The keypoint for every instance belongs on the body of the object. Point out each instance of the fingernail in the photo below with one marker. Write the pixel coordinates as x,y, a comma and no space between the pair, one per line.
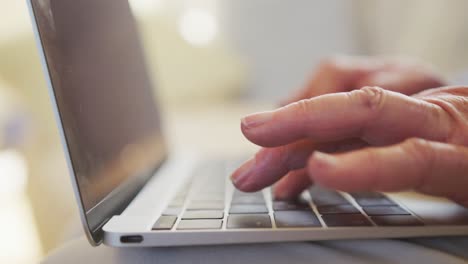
240,176
323,160
257,119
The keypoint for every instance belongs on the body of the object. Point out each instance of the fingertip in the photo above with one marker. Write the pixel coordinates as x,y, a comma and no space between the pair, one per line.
322,161
254,132
246,131
257,119
246,177
260,136
240,176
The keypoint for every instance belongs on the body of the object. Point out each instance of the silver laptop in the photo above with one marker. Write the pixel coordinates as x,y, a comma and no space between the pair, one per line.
131,192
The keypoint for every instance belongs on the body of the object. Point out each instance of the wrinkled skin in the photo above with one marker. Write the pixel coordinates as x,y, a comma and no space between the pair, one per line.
363,124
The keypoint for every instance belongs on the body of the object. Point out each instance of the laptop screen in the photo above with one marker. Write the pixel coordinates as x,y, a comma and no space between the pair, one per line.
104,99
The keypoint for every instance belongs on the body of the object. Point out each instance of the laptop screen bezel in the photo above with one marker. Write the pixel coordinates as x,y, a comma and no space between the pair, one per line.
118,199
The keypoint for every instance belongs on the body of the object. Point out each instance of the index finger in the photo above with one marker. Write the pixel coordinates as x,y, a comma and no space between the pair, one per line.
373,114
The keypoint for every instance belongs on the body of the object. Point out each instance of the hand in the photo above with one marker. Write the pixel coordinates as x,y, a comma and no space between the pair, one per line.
433,161
346,73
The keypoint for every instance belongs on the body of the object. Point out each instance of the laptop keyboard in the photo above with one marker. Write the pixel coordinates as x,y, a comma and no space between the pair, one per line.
210,202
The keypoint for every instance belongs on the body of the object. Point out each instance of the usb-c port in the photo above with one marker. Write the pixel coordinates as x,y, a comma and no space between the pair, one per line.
131,239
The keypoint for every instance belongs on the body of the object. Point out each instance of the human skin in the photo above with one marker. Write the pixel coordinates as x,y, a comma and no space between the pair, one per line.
363,124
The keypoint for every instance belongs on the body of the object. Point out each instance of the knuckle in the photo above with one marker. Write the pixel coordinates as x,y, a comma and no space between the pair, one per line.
302,107
451,108
372,98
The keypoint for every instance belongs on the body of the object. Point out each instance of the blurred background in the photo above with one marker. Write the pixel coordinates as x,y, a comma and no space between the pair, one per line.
202,52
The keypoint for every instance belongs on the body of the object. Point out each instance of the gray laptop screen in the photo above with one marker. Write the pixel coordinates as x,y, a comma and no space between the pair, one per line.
103,94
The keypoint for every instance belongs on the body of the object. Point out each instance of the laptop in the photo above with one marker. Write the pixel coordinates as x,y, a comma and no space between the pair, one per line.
131,192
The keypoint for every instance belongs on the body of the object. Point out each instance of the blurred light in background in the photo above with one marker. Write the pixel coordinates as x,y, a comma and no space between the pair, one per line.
20,239
198,26
20,243
13,172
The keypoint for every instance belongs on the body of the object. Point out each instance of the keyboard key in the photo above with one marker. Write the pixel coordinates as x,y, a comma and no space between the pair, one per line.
203,214
346,220
296,219
247,199
371,199
248,209
290,205
172,211
396,220
164,222
249,221
321,196
207,205
338,209
200,224
385,210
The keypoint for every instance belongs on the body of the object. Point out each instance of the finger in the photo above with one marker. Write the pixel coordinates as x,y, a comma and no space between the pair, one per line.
342,73
336,74
430,167
375,115
345,80
406,82
270,164
291,185
346,73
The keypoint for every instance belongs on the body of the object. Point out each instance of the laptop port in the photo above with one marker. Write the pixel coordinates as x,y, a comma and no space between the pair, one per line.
131,239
